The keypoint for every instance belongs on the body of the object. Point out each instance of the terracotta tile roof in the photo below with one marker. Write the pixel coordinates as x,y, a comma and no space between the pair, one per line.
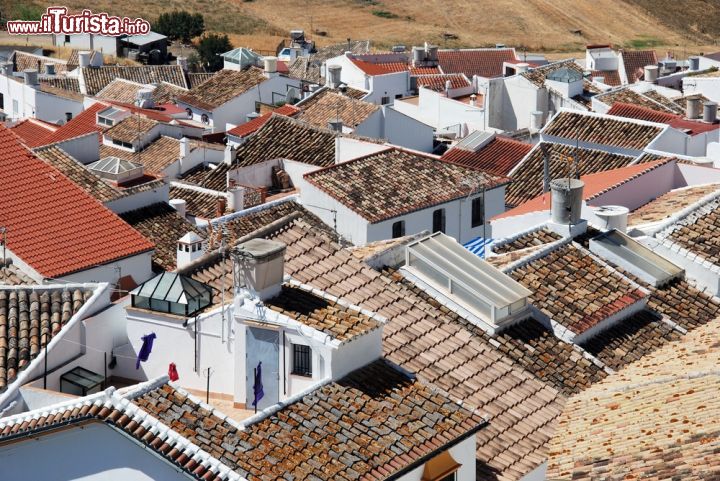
32,132
29,61
252,126
538,75
628,96
691,127
161,224
323,315
438,82
325,105
371,68
250,222
130,129
484,62
196,79
96,78
631,339
120,90
611,77
498,157
670,203
655,419
393,182
670,104
280,138
166,93
534,238
635,62
61,237
199,204
322,436
425,340
595,185
574,289
699,232
83,123
112,410
78,173
27,318
423,70
68,88
602,130
222,87
527,179
12,275
156,157
308,68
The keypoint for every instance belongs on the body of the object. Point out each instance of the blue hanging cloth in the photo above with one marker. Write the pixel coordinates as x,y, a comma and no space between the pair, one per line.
257,386
146,349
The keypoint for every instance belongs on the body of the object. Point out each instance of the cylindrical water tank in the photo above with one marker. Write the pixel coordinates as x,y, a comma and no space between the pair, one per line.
432,53
694,63
566,204
84,59
710,112
651,73
418,55
180,206
270,64
612,217
692,107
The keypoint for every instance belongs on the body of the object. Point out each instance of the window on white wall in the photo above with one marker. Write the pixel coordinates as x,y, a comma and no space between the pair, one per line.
477,216
302,360
16,107
398,229
439,221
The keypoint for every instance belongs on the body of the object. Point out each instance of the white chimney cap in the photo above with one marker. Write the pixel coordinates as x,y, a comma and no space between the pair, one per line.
190,238
261,248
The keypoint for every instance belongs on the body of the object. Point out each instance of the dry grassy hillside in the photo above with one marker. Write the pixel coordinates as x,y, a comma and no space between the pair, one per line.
550,25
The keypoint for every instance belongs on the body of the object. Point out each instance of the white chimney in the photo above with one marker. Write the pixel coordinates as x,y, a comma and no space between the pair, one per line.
31,77
612,217
448,87
261,267
84,59
236,198
184,147
536,120
335,125
270,64
144,98
473,100
522,67
333,78
183,62
229,157
189,248
180,206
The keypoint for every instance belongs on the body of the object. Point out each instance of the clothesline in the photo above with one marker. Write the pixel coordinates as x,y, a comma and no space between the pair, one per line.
133,358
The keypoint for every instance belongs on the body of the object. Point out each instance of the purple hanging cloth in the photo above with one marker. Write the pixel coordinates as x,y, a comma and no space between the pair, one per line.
145,350
257,385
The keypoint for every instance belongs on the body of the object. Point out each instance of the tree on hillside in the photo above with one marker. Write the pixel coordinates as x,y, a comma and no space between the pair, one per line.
27,12
180,25
209,49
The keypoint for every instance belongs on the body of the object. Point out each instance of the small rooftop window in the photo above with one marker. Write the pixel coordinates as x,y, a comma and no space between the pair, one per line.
116,169
111,116
172,293
635,257
565,75
481,288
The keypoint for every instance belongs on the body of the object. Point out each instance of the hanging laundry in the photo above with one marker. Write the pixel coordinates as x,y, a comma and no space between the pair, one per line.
146,349
257,385
172,372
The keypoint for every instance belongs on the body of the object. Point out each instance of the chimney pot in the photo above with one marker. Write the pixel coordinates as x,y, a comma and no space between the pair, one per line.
262,266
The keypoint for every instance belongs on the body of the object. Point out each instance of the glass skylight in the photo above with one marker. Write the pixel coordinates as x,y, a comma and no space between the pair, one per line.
480,287
635,257
172,293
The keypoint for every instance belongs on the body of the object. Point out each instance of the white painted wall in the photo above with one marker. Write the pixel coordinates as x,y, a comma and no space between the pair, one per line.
136,198
405,131
348,148
708,86
640,190
85,148
359,231
32,102
92,452
138,266
85,41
